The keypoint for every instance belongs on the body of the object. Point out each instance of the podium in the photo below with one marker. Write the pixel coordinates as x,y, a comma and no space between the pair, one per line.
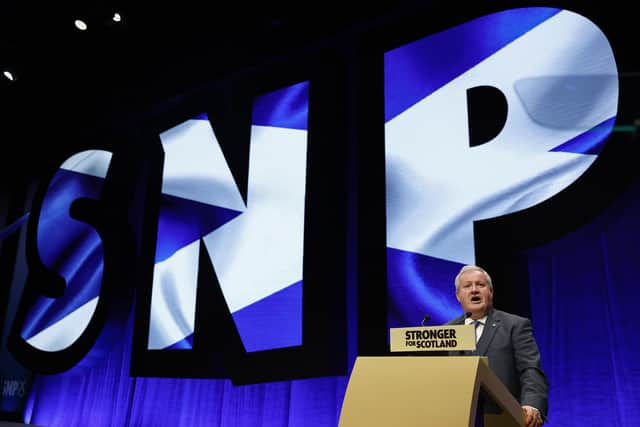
437,391
433,391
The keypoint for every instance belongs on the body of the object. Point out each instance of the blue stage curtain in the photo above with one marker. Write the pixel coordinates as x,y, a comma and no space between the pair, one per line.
98,396
106,396
585,294
102,399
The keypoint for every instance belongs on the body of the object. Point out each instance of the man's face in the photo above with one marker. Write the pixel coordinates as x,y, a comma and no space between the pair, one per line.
474,294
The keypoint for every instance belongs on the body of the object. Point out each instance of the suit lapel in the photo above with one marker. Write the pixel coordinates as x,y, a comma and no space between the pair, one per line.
489,331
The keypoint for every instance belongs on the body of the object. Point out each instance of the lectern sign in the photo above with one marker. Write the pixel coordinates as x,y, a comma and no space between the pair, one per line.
433,338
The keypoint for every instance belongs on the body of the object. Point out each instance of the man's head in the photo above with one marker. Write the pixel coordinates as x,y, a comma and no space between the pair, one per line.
474,290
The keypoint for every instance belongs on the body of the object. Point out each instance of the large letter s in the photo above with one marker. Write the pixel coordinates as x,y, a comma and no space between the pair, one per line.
72,239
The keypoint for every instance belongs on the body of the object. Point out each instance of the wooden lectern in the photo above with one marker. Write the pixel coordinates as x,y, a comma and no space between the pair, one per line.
433,391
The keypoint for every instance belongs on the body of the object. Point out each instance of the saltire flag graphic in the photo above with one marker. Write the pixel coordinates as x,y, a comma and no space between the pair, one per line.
256,248
558,75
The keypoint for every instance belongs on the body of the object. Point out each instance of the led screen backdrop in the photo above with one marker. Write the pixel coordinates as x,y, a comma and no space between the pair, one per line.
445,169
238,284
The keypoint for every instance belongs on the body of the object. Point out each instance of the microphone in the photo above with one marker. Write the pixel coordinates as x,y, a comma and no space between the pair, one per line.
425,319
467,315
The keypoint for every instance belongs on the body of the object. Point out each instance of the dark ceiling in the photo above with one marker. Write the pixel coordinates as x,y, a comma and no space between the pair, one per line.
156,50
161,49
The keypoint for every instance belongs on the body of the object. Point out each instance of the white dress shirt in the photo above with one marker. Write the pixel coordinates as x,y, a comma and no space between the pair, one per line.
479,328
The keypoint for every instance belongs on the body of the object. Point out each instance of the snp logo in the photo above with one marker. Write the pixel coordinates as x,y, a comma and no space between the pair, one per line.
13,388
550,78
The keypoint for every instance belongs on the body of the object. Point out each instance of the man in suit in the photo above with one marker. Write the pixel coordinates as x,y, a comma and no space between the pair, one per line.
507,340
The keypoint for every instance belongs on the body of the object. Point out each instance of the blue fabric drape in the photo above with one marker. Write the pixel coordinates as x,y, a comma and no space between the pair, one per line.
107,396
584,297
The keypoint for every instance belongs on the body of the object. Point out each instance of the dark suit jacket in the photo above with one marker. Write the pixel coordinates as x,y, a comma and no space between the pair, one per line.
507,340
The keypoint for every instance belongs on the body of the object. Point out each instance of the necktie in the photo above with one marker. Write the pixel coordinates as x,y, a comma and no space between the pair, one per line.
476,324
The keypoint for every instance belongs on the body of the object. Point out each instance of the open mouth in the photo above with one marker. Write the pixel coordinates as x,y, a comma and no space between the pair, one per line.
476,299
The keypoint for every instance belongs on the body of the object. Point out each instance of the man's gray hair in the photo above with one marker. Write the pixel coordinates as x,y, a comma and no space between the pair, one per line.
473,268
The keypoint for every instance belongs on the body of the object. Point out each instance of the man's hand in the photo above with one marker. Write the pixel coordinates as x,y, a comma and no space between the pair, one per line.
532,417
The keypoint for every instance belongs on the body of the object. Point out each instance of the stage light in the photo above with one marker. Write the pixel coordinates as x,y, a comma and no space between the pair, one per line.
80,24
